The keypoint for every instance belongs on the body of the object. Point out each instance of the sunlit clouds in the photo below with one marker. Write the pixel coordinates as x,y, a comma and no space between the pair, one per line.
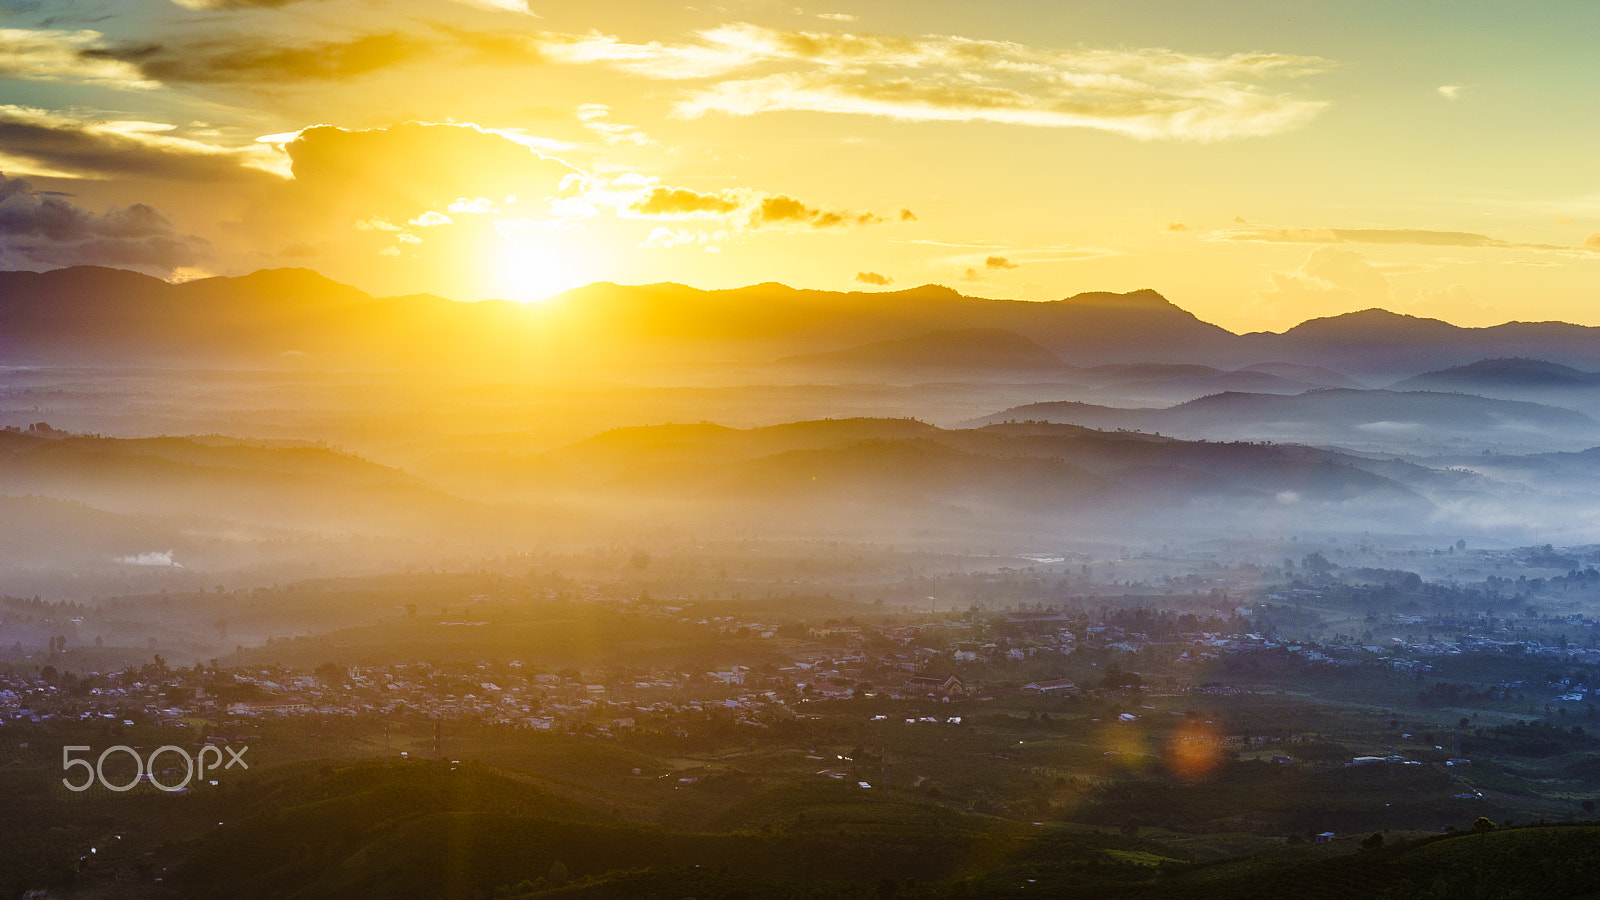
1147,94
46,55
398,146
42,142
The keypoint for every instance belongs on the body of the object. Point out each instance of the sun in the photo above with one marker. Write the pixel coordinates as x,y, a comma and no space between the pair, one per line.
529,267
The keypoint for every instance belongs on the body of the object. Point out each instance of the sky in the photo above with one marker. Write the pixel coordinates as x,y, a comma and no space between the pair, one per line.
1258,163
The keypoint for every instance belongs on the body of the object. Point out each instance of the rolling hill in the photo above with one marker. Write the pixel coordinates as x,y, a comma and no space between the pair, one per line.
1375,418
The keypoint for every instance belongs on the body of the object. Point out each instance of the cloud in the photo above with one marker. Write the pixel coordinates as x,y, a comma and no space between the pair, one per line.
873,278
1176,226
431,219
49,144
999,262
663,237
474,206
837,17
907,215
779,209
1449,303
1146,94
596,118
249,58
1449,91
516,6
653,60
45,230
64,56
397,171
1143,93
1592,242
232,4
635,196
1330,275
665,202
1399,236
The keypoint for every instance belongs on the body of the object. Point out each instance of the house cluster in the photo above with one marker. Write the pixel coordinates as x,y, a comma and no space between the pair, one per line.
786,667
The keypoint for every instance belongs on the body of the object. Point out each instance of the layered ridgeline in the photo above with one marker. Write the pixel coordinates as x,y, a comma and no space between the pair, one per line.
181,512
100,316
1383,418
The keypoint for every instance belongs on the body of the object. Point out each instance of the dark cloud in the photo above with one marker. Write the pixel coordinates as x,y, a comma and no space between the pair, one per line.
236,4
1592,242
243,58
683,202
779,209
999,262
44,229
102,149
873,278
907,215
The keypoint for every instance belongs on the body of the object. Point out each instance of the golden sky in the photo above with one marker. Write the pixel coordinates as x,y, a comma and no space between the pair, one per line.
1259,163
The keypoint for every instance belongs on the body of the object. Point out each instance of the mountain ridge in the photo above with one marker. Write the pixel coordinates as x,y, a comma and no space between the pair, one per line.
103,316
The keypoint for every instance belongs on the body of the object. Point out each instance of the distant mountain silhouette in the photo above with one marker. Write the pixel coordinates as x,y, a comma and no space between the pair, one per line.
1379,341
1497,375
987,349
98,316
1332,415
90,315
1174,383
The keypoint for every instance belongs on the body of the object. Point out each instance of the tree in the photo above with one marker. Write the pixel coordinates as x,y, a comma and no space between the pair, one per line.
1317,564
558,873
1373,841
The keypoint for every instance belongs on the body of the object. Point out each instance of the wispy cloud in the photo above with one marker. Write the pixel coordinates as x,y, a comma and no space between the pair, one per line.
1405,236
51,144
596,117
66,56
1146,94
514,6
249,58
1331,274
